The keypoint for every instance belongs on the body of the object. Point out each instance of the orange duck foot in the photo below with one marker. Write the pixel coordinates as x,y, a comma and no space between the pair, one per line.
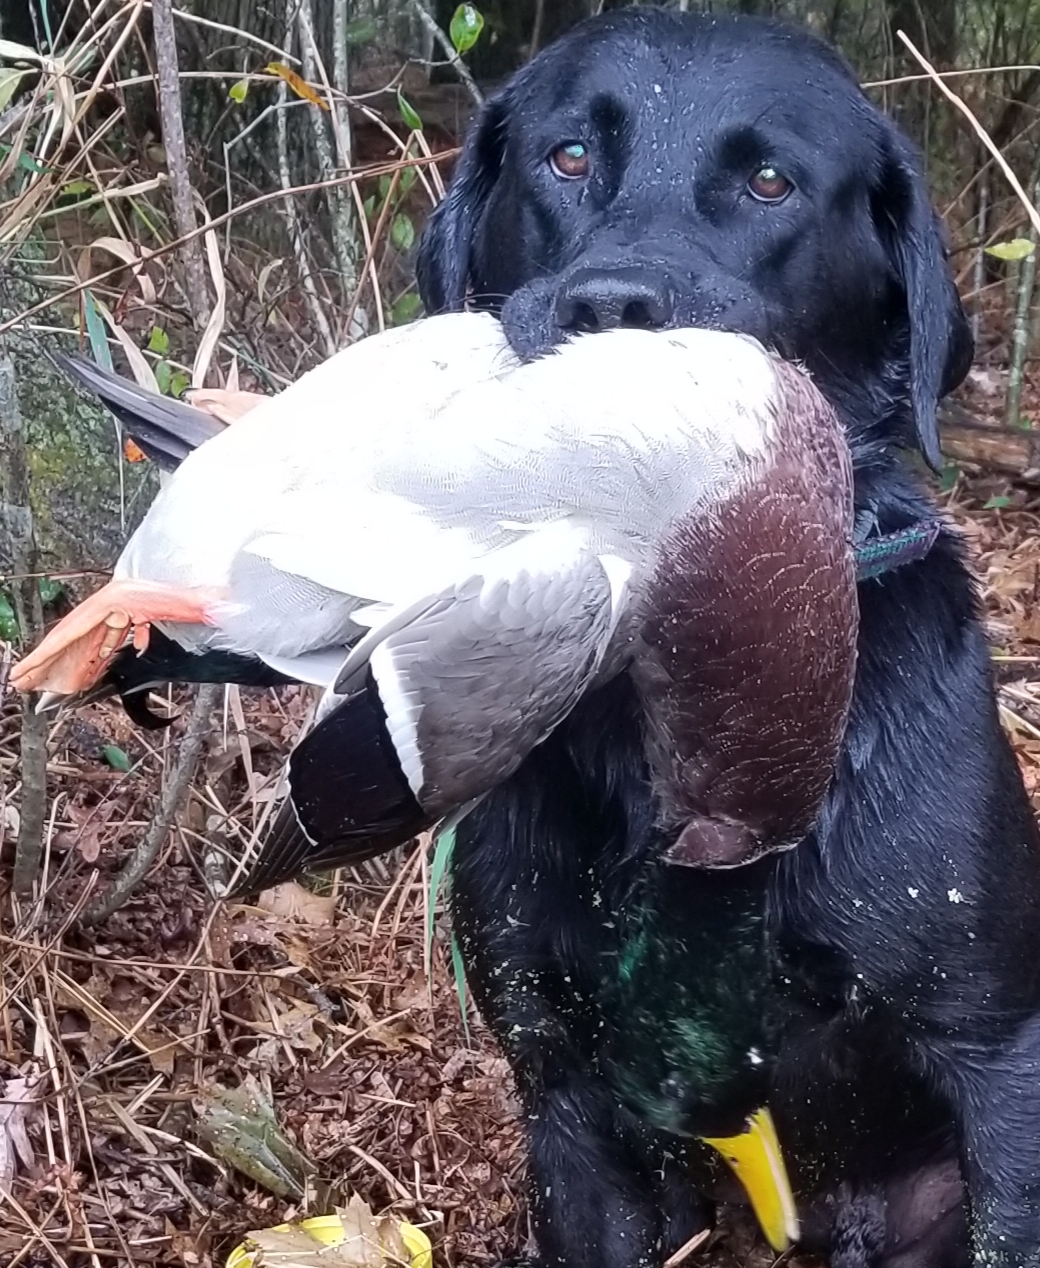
76,652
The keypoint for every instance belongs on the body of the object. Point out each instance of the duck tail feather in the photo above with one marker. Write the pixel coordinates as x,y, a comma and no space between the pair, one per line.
348,797
165,429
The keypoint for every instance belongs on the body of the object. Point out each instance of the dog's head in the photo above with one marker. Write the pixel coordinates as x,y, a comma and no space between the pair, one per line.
664,169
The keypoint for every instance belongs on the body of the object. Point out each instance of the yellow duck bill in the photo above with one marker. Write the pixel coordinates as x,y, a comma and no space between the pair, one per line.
755,1159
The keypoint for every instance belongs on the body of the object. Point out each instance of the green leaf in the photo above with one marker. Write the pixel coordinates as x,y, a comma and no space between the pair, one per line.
442,848
997,503
239,91
26,162
179,383
9,81
163,376
9,630
115,757
1016,249
467,22
50,590
96,332
409,114
76,188
360,31
459,970
951,473
402,232
159,341
383,187
406,309
406,180
240,1127
369,207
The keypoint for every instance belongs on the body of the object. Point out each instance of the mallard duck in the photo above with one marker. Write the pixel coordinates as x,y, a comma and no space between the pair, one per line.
458,565
655,501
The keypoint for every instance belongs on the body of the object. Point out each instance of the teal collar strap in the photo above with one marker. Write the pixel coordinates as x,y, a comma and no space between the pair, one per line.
878,555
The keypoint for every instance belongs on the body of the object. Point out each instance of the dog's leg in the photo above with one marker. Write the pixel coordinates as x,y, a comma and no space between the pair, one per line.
594,1201
995,1092
536,920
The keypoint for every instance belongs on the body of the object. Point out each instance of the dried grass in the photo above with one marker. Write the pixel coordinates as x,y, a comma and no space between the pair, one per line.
110,1036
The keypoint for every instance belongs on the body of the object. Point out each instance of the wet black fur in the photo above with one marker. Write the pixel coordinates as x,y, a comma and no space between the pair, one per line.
906,930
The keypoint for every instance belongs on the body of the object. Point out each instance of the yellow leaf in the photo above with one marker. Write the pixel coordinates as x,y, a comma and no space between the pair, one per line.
351,1238
299,86
133,452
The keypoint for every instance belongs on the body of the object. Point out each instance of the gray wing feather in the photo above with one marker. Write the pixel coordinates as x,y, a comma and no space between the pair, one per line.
485,672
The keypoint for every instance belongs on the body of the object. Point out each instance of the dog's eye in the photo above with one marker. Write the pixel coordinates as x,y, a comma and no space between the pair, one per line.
570,162
768,185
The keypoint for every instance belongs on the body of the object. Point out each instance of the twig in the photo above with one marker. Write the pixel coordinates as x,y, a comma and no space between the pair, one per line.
687,1249
947,74
1023,326
17,544
310,291
173,793
980,131
351,178
177,158
978,267
539,20
231,30
455,61
344,240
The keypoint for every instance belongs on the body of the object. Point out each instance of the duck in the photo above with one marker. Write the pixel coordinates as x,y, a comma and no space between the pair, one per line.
458,565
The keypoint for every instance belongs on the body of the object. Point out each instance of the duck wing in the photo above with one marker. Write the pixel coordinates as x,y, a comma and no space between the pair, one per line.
444,699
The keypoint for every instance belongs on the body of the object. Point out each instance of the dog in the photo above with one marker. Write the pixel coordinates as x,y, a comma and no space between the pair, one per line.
667,169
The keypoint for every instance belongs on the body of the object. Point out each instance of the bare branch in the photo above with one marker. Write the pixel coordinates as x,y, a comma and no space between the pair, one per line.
350,178
177,158
174,791
1023,327
17,543
980,131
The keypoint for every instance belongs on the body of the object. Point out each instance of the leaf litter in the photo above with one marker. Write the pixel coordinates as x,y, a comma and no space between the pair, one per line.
189,1073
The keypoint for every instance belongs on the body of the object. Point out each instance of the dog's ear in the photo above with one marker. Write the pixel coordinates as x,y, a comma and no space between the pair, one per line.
443,264
940,342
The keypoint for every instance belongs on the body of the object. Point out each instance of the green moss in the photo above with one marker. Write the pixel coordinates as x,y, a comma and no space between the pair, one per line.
81,514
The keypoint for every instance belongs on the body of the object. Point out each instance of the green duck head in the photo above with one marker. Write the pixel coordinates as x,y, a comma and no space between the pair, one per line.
688,1042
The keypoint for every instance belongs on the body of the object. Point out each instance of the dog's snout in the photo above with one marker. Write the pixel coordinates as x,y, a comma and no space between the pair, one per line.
600,299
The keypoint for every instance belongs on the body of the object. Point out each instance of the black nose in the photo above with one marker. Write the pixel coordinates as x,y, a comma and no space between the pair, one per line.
603,299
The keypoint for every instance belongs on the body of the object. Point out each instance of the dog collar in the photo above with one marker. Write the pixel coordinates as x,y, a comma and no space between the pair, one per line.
883,553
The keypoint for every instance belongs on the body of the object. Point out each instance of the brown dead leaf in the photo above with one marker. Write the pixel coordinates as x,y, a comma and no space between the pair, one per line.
296,1025
90,822
299,85
19,1095
292,901
377,1031
189,1248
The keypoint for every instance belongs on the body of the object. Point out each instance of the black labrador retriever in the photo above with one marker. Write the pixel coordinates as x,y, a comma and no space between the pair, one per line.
663,169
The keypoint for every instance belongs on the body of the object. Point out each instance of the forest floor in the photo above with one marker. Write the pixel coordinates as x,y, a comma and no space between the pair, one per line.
115,1039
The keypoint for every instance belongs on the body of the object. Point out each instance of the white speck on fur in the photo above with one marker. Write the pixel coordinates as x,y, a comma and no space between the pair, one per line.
911,891
955,896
